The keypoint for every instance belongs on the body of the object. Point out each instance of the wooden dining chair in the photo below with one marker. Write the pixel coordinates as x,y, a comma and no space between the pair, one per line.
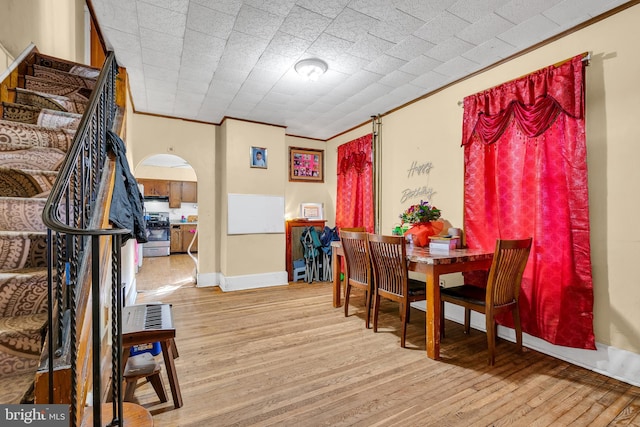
358,268
391,278
501,294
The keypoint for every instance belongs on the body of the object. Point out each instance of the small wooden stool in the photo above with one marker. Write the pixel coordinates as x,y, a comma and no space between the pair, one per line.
143,366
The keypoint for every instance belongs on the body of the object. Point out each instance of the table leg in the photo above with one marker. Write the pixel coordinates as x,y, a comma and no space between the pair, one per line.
335,261
433,313
167,354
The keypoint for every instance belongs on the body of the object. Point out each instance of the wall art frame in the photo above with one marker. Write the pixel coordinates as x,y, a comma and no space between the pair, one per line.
306,164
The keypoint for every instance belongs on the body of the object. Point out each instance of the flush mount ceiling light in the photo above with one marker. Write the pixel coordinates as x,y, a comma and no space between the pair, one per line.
311,68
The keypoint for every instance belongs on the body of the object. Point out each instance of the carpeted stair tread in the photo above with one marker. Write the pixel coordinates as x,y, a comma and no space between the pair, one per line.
75,93
20,343
20,113
22,213
16,387
60,76
27,157
58,119
21,249
39,116
48,100
33,135
25,183
68,66
23,292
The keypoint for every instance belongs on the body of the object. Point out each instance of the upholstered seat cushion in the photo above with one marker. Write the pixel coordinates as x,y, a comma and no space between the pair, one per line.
472,294
416,287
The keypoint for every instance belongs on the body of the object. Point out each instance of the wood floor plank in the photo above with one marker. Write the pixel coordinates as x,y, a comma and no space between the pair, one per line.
283,356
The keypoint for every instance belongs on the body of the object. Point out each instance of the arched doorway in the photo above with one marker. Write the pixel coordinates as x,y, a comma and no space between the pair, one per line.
169,187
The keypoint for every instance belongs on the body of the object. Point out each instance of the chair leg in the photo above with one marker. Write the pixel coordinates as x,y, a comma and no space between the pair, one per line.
518,326
441,319
376,308
491,338
158,386
129,389
368,308
405,320
467,320
347,293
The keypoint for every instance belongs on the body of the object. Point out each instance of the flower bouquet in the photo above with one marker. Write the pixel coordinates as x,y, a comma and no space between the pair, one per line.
423,217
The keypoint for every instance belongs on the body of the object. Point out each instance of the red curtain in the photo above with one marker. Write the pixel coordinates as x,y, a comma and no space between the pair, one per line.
354,205
526,175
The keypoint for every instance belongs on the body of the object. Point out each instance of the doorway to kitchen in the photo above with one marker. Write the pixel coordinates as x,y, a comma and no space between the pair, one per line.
169,186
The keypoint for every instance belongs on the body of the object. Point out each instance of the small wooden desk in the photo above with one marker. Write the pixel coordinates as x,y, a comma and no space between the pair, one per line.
432,265
290,225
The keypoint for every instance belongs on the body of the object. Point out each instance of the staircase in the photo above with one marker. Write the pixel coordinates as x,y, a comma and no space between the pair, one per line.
42,105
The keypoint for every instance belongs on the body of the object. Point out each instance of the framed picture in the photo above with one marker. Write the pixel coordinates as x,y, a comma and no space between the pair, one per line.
311,210
259,157
306,165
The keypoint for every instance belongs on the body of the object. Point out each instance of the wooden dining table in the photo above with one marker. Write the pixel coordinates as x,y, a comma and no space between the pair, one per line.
432,265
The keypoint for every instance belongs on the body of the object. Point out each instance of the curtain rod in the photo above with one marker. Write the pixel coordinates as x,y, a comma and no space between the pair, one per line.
586,57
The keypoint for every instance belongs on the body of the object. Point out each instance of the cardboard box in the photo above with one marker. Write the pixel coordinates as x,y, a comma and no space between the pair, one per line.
441,244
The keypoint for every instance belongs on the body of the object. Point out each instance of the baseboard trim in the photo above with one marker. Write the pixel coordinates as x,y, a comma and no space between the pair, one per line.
204,280
253,281
613,362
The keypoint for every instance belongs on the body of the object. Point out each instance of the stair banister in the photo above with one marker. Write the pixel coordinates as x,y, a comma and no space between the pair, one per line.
77,232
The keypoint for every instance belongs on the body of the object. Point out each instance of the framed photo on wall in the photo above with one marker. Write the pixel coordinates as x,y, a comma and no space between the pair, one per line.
259,157
311,211
306,165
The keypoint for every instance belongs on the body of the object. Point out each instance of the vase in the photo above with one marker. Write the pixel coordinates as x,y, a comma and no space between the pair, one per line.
420,232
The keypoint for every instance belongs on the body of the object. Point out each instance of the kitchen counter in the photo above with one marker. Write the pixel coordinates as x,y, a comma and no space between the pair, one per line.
182,233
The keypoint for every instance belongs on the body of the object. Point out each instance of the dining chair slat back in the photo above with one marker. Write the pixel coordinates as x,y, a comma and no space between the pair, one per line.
358,268
391,278
501,294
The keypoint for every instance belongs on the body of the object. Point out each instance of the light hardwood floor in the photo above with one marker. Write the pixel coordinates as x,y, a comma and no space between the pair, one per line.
283,356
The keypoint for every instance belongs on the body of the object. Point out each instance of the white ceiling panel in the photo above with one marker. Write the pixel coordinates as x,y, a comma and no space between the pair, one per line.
328,8
517,11
161,20
304,23
179,6
441,27
351,25
474,10
257,22
484,29
209,21
207,59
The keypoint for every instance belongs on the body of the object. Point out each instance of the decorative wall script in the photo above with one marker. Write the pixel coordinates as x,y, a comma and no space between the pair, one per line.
425,192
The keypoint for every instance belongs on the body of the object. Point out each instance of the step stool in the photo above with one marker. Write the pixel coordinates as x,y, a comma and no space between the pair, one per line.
143,366
299,270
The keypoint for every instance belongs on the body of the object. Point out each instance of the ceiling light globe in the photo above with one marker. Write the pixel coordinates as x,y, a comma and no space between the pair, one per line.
311,68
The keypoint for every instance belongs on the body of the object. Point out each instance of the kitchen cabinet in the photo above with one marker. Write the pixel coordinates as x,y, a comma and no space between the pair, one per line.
189,192
155,187
175,194
177,191
176,238
181,235
188,230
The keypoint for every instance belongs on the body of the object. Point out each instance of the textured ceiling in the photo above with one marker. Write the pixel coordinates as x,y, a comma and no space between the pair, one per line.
207,59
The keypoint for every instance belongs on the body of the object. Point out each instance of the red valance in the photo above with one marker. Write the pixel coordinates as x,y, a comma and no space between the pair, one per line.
533,102
355,155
